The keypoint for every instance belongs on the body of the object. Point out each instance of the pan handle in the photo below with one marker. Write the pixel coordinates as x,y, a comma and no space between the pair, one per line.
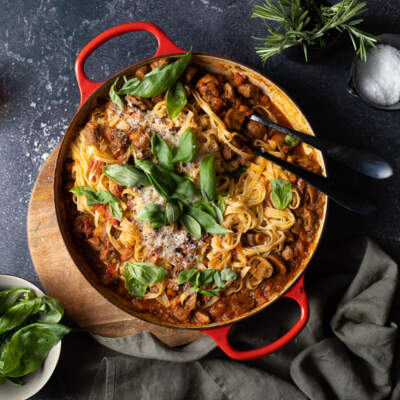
165,46
220,335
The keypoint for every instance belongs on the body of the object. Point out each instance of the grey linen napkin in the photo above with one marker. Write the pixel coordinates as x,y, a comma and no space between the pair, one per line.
346,351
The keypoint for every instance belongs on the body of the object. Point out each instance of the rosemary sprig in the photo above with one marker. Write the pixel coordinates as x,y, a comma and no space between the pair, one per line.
307,22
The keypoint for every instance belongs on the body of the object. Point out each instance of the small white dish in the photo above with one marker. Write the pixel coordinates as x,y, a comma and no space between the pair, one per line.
35,381
393,39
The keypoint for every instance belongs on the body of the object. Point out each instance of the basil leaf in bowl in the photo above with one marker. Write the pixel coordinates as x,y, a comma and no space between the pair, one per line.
31,340
28,348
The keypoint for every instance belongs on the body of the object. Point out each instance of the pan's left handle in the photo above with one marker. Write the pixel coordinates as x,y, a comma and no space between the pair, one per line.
165,46
220,335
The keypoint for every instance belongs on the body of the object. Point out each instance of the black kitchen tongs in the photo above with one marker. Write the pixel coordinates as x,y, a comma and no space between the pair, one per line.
361,161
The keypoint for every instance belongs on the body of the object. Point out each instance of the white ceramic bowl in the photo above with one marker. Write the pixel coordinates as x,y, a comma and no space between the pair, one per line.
35,381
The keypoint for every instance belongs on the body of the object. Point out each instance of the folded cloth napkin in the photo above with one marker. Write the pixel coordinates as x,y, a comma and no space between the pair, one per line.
346,351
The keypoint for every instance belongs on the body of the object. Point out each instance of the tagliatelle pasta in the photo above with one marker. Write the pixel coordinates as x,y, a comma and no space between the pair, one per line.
265,244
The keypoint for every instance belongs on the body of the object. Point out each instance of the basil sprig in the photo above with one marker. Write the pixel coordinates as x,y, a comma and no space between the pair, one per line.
126,175
167,183
201,278
186,151
176,99
211,209
153,213
140,275
207,221
281,193
100,197
208,178
131,84
157,81
159,215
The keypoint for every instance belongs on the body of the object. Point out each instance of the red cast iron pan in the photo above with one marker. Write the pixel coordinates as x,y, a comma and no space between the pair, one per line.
90,92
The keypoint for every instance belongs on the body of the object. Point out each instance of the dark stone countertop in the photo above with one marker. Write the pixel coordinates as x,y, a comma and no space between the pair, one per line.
39,41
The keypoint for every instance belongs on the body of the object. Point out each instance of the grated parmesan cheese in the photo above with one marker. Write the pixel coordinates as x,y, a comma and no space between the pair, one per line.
167,242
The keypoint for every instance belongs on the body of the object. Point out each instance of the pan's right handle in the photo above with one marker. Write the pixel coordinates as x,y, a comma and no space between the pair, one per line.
165,46
220,335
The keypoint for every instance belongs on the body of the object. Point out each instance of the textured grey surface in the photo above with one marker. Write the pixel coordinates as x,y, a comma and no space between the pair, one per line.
39,41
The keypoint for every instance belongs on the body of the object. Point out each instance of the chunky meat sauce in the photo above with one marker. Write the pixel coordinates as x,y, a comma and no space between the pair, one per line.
232,98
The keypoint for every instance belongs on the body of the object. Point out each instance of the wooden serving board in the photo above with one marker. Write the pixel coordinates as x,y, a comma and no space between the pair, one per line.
62,279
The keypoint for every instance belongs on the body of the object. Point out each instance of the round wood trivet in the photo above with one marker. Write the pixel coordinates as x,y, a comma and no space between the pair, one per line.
62,279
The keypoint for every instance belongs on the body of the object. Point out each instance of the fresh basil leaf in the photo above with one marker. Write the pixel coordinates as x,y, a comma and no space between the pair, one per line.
162,152
16,315
221,202
146,273
156,70
228,275
154,213
207,222
129,86
51,310
114,95
187,275
218,280
207,178
185,190
140,275
158,82
191,225
281,193
84,191
115,210
207,276
176,100
188,147
218,213
29,347
206,207
210,292
137,289
291,141
9,297
235,174
160,178
172,212
126,175
100,197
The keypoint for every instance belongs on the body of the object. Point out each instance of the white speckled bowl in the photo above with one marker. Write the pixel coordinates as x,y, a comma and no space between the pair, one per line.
35,381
